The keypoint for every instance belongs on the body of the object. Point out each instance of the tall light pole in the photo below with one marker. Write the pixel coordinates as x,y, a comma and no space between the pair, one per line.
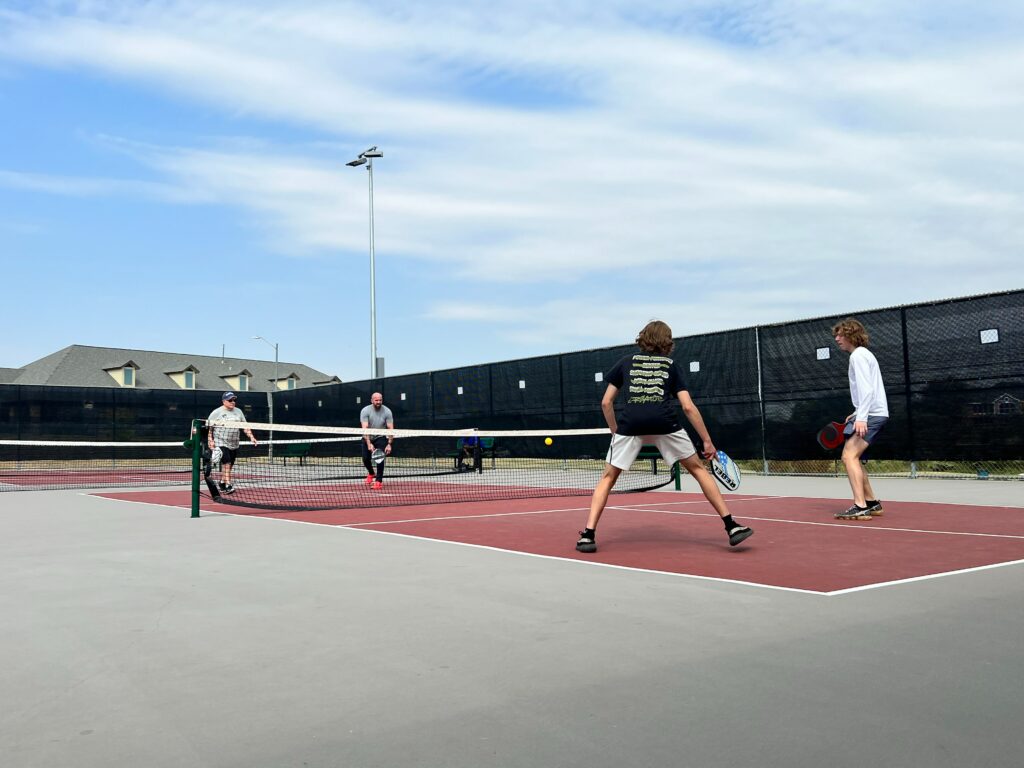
366,158
270,442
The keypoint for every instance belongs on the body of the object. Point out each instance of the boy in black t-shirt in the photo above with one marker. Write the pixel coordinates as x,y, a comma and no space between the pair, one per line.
652,381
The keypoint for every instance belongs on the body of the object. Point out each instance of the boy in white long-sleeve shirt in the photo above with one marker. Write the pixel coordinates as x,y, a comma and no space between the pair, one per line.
870,415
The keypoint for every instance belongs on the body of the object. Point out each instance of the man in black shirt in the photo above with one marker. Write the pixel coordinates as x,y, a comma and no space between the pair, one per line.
652,381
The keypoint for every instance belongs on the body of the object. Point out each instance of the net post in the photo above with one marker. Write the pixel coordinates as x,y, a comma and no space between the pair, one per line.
197,457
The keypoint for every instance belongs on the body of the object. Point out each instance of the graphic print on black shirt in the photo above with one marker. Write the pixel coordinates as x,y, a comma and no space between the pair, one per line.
650,384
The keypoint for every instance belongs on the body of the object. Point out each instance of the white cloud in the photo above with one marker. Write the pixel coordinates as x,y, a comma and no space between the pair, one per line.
773,147
72,186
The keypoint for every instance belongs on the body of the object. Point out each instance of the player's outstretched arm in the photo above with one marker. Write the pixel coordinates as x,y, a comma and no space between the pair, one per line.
694,417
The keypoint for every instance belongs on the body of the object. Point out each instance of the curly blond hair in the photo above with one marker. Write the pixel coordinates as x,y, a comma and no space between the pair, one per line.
853,331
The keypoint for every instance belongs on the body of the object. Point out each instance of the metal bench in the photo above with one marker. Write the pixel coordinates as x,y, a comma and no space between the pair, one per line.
486,447
652,453
293,451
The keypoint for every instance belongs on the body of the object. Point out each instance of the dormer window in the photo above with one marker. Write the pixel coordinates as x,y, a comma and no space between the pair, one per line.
184,378
291,381
124,373
238,382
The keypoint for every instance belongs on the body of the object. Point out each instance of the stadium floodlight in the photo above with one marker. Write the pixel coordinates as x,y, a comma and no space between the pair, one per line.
366,158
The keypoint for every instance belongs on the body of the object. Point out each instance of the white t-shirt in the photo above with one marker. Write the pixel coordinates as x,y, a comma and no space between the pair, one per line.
866,388
226,437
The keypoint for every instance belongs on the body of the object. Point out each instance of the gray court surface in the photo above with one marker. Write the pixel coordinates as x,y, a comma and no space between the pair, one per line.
136,636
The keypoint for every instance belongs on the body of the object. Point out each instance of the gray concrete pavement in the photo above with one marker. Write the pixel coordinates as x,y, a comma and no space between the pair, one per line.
136,636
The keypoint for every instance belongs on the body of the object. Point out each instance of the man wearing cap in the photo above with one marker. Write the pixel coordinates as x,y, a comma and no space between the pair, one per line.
225,439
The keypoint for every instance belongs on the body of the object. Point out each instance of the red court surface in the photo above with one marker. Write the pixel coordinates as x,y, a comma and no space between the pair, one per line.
797,544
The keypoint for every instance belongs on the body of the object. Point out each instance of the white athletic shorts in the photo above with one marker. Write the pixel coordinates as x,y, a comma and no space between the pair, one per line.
673,447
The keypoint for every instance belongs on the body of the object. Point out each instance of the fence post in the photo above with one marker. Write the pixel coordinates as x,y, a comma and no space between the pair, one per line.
760,399
908,398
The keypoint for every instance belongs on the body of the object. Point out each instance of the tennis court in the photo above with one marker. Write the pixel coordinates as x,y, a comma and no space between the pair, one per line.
474,634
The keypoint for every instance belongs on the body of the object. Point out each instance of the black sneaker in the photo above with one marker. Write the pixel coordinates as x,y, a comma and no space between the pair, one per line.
586,544
854,513
874,507
227,488
222,486
738,534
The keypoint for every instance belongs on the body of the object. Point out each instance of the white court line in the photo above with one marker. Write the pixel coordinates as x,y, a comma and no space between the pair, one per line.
639,507
695,501
732,500
837,593
591,563
846,526
467,517
923,578
536,512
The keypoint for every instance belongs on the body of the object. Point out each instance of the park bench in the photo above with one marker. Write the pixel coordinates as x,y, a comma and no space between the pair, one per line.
486,448
651,453
293,451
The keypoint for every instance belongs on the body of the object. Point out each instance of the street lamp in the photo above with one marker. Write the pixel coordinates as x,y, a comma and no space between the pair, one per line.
366,158
270,442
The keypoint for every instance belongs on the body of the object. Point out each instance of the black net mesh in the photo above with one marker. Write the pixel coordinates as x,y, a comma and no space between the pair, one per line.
327,468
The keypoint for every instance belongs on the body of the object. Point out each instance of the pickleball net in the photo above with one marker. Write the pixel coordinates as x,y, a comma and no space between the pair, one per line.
27,465
42,465
322,468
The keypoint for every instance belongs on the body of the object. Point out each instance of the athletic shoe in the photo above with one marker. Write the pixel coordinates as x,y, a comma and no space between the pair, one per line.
370,478
854,513
738,534
227,488
874,507
586,544
222,486
377,486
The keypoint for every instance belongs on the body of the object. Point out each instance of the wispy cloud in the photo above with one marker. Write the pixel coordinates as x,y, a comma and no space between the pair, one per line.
90,186
749,142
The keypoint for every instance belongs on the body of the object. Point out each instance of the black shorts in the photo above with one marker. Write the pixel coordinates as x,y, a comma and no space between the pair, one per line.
228,455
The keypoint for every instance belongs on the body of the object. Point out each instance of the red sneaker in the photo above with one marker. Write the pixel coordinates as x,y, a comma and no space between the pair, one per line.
370,479
377,486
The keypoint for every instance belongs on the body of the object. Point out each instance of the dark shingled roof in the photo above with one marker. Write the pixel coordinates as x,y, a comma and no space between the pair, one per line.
83,366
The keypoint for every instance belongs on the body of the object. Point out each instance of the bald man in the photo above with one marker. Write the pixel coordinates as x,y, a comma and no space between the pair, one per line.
376,416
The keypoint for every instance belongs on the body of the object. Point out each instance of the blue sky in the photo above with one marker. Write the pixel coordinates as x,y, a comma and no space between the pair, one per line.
172,173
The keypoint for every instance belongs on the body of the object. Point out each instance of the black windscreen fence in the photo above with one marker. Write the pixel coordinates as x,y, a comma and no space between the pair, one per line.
953,372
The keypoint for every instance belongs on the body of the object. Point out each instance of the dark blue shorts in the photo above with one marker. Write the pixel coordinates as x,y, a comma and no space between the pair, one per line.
875,425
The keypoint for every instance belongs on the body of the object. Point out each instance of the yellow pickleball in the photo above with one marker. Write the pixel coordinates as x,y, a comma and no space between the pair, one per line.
548,441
